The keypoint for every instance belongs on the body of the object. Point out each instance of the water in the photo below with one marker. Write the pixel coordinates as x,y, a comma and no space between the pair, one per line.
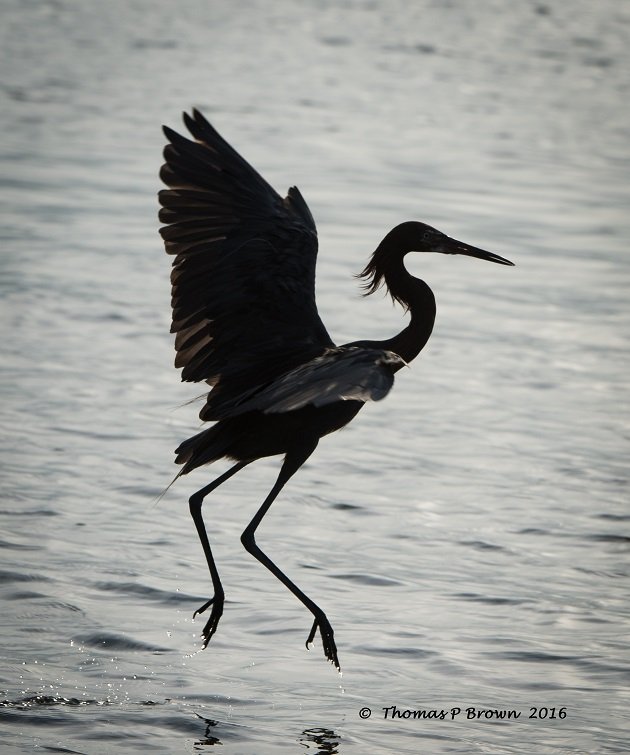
468,537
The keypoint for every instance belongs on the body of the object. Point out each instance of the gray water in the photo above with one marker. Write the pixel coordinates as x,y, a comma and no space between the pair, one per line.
468,536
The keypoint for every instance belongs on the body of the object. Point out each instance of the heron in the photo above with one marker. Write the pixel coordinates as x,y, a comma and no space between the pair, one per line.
246,323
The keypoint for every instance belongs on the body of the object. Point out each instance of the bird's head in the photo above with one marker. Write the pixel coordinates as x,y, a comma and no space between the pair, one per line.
413,236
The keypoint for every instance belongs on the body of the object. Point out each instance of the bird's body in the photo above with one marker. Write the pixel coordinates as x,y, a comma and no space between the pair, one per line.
255,435
246,322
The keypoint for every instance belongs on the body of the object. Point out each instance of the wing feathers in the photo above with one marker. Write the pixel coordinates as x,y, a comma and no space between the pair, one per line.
340,374
243,279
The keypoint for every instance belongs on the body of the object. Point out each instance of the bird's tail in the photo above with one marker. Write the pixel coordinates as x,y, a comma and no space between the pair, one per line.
203,448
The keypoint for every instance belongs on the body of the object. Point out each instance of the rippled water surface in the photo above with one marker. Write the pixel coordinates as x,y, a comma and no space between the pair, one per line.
469,536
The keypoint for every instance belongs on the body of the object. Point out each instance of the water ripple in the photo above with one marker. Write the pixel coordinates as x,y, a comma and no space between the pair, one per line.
491,600
367,579
20,546
111,641
146,592
13,576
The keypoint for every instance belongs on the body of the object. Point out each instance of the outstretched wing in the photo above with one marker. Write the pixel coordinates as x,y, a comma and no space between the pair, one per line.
344,373
243,277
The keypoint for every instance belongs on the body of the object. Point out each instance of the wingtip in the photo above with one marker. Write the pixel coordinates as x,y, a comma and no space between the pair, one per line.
169,133
189,121
199,118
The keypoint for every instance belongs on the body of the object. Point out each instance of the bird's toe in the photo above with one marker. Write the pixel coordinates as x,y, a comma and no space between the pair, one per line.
213,622
328,640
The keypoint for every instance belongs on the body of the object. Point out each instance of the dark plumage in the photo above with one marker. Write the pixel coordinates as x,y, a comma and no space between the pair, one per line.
246,322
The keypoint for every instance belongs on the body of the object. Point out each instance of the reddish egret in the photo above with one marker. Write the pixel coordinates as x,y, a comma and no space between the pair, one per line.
246,323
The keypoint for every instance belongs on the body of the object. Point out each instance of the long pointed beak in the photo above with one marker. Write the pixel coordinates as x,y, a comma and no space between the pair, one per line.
453,246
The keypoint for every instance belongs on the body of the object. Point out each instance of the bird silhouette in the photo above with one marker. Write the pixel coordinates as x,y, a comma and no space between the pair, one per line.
246,323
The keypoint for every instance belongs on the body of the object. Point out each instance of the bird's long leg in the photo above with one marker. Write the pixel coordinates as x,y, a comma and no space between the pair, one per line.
292,462
217,600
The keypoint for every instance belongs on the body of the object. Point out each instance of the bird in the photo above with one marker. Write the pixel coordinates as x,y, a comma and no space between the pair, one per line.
246,323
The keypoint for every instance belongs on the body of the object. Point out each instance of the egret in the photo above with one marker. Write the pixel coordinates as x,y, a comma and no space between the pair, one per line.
246,322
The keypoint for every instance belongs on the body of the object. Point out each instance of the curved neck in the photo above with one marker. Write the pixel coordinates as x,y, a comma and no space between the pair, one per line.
416,296
386,266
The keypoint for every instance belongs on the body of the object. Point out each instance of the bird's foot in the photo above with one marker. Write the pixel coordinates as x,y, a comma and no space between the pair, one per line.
328,639
213,622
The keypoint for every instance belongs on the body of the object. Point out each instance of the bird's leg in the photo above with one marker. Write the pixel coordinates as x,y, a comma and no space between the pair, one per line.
292,462
195,502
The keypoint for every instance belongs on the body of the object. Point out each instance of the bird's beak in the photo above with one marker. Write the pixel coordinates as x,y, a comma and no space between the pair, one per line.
452,246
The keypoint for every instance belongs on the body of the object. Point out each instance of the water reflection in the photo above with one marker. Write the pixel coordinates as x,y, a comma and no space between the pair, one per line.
325,740
317,740
209,739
